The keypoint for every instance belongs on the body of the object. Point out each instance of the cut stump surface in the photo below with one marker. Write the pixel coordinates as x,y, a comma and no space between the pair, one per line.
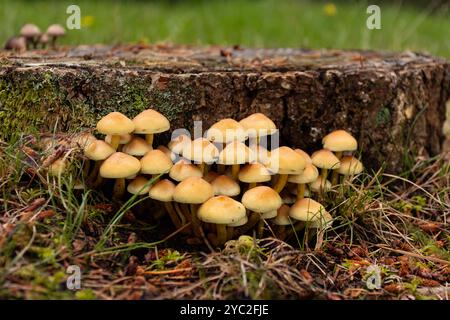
393,103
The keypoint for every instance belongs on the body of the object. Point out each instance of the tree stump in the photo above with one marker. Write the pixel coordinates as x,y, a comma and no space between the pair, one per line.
393,103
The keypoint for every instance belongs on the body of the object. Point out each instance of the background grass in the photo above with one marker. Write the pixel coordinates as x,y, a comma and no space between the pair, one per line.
267,23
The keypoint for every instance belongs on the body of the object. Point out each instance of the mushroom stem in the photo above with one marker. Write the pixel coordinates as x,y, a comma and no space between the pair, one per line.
194,219
115,140
149,139
335,175
230,232
235,171
300,191
252,185
202,167
221,233
323,180
172,214
297,226
180,213
119,188
95,179
261,228
281,182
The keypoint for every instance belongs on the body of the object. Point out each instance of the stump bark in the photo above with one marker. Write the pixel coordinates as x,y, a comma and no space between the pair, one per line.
394,103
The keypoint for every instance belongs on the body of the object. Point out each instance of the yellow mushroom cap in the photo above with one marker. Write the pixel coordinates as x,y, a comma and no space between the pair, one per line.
119,165
98,150
115,123
193,190
306,209
136,147
167,152
284,160
309,174
261,199
316,185
155,162
258,124
304,155
269,214
239,223
201,151
350,166
226,130
254,172
183,170
282,218
235,153
138,186
150,121
339,140
123,138
177,144
325,159
162,190
221,210
224,185
210,176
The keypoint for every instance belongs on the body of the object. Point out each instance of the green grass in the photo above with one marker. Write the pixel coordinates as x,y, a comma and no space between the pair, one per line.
267,23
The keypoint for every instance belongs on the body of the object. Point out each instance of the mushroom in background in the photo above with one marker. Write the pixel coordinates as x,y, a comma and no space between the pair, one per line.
17,44
31,33
54,32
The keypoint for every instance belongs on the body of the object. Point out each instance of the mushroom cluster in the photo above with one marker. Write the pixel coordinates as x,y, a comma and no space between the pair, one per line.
225,184
31,36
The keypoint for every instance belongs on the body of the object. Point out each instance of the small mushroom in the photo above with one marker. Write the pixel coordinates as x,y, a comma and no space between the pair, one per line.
183,170
225,131
202,152
163,191
139,186
339,141
115,124
320,185
325,160
97,151
155,162
309,175
254,173
221,211
149,122
350,166
55,31
17,44
193,191
285,162
31,33
258,125
119,166
235,154
225,186
307,211
136,147
260,200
